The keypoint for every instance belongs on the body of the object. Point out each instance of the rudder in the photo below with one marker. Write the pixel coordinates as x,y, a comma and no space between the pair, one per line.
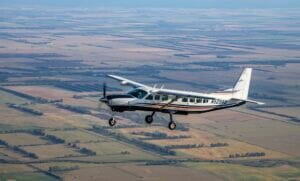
241,87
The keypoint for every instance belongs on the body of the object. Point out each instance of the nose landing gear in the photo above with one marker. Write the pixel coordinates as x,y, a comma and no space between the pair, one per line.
172,124
112,121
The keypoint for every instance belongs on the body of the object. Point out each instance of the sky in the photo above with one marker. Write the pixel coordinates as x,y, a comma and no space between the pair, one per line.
155,3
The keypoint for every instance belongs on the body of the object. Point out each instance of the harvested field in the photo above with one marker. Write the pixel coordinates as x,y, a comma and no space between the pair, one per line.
22,139
52,151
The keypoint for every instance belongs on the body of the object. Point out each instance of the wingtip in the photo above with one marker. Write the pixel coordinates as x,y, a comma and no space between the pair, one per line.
110,75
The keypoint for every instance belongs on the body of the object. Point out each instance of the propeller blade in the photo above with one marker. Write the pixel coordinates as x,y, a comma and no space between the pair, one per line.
104,90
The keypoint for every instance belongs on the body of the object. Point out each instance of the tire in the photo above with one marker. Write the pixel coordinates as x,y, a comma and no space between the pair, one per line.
172,125
112,122
149,119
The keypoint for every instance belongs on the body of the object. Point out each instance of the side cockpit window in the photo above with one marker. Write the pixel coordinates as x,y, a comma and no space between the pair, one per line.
138,93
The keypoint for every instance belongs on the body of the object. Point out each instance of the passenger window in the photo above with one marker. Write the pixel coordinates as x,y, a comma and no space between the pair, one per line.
199,100
164,98
205,100
157,97
184,99
150,97
192,100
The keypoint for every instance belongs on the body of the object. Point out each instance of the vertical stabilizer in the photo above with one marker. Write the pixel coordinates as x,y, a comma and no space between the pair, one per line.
241,87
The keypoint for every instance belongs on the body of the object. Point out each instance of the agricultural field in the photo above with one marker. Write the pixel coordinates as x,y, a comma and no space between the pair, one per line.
22,139
52,70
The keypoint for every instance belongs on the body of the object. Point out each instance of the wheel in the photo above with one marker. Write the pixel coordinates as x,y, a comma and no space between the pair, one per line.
149,119
112,121
172,125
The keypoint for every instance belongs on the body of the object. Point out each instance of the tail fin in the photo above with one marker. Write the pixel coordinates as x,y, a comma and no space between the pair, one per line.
241,87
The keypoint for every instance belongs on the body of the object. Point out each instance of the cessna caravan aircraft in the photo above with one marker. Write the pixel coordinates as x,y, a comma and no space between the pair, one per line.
153,99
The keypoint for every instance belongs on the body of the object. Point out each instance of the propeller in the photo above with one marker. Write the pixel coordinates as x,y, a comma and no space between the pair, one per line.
103,98
104,90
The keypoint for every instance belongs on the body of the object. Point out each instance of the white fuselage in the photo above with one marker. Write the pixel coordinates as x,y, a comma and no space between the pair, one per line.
141,99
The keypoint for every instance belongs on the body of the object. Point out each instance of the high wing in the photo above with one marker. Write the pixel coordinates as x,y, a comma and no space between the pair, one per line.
178,93
128,82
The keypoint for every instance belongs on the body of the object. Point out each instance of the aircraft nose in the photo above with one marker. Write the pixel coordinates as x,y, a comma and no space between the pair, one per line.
103,99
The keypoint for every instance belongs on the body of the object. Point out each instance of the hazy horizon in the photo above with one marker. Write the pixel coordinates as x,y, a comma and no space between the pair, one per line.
155,3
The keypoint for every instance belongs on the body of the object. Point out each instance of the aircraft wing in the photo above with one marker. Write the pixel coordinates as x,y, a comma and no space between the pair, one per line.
125,81
254,102
178,93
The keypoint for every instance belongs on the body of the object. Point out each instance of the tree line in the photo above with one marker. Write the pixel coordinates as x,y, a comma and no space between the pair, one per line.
76,109
158,135
25,109
82,150
144,145
32,98
189,146
248,154
19,150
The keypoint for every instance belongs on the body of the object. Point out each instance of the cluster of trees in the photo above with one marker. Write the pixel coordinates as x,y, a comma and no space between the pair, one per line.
77,109
54,139
2,142
26,109
120,126
163,162
248,154
26,96
155,134
86,95
85,151
37,132
62,169
187,146
158,135
219,144
125,152
147,146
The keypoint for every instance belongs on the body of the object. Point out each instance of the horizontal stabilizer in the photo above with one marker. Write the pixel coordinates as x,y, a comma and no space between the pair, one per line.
250,101
255,102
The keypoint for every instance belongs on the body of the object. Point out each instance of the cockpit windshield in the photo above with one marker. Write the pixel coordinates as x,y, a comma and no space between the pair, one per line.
138,93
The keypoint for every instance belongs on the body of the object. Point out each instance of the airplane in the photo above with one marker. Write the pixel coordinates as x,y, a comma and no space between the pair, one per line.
146,98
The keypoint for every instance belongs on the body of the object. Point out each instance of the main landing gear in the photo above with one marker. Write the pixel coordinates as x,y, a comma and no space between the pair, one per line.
171,125
149,118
